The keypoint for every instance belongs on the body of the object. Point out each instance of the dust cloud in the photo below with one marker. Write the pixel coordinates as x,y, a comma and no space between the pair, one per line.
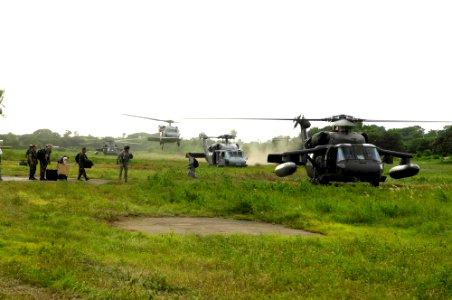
257,152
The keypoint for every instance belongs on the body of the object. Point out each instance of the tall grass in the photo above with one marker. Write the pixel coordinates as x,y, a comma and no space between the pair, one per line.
389,242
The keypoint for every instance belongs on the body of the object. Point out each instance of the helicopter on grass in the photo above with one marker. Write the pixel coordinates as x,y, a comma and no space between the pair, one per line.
109,148
166,133
342,155
223,152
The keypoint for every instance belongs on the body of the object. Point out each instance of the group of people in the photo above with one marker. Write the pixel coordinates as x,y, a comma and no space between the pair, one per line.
43,157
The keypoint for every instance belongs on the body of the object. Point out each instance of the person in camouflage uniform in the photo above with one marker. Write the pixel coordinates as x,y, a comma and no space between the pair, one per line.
32,160
123,161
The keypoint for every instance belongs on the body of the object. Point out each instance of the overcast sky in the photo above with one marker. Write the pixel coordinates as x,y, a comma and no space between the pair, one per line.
79,65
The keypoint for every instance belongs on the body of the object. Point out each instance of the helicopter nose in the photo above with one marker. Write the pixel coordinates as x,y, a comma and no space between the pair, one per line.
362,169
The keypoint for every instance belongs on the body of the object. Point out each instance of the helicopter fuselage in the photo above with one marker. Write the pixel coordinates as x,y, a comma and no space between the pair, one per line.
346,162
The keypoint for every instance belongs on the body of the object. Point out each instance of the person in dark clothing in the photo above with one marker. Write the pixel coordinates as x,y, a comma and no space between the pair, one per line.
44,161
82,162
32,160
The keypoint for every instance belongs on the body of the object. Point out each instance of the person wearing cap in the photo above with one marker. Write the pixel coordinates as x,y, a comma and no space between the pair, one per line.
123,161
32,160
44,160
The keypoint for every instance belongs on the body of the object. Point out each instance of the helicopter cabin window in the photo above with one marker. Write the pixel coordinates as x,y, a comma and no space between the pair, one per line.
357,152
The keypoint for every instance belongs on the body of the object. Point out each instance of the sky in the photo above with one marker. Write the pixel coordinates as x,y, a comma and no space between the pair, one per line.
80,65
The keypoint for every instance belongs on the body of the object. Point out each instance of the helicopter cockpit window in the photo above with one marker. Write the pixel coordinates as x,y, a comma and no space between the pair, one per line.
357,152
234,154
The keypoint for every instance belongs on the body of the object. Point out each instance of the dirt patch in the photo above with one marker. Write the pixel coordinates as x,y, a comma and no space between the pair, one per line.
206,226
25,179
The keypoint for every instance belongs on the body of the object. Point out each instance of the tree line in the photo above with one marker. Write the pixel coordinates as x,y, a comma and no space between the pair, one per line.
412,139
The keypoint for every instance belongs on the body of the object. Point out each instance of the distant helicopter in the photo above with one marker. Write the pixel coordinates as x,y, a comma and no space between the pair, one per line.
109,148
166,134
222,153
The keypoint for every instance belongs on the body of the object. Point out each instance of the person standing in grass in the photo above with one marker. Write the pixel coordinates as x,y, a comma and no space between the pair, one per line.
192,165
44,160
82,160
32,160
123,161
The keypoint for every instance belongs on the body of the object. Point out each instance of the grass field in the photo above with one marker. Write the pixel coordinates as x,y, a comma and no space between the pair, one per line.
390,242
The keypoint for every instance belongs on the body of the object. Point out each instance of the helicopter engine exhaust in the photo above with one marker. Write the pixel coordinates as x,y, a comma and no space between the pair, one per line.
403,171
285,169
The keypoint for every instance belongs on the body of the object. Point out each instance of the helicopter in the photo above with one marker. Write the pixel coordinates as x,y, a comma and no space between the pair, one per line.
222,153
342,155
166,134
109,148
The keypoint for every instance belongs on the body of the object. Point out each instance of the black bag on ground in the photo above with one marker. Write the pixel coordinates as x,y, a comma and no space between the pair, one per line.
51,174
62,177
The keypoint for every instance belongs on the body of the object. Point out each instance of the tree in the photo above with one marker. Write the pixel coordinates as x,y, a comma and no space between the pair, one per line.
443,143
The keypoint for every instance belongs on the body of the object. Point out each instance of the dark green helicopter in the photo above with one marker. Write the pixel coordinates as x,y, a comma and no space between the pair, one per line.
109,148
340,155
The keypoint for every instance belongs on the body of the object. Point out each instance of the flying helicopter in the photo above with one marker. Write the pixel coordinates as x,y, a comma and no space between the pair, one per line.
340,155
166,133
223,152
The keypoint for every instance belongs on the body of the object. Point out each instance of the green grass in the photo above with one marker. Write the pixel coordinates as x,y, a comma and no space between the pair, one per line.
390,242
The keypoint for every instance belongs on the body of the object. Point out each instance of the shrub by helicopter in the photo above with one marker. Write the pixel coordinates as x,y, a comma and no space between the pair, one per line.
166,133
223,152
340,155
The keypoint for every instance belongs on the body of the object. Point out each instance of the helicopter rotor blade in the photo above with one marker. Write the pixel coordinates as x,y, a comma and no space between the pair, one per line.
148,118
328,119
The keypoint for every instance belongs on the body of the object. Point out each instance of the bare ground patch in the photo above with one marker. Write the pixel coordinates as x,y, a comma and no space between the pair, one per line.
205,226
